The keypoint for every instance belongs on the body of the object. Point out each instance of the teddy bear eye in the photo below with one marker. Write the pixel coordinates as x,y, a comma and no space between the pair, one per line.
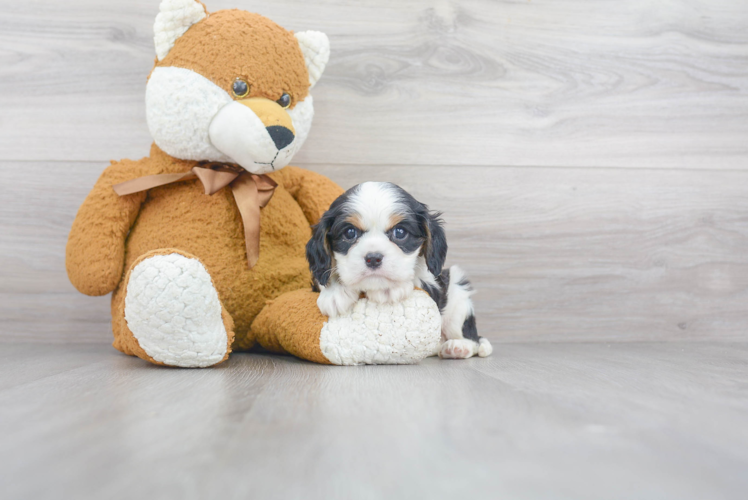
240,88
284,101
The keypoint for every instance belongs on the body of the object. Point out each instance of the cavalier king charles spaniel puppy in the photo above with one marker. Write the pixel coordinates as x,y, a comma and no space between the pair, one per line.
377,240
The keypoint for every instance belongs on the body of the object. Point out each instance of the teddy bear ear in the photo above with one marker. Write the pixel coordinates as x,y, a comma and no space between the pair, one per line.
175,17
316,49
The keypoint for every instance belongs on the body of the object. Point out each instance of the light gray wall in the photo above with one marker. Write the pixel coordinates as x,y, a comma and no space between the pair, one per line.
591,157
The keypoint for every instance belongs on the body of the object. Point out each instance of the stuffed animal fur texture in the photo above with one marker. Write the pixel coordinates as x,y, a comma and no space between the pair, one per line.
229,87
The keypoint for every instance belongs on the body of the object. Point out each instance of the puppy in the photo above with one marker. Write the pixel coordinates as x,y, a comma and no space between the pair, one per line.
376,239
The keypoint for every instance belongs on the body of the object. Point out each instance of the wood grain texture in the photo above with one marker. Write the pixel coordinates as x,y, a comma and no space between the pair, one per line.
428,82
413,90
555,253
562,421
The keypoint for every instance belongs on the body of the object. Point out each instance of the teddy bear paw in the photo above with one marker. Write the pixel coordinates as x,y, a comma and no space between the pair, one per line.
371,333
173,310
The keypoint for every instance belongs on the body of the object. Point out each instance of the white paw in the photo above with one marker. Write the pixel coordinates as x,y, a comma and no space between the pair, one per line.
458,349
484,348
173,310
335,300
391,295
401,333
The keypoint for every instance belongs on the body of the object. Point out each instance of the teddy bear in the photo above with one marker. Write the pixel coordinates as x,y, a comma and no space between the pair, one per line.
202,242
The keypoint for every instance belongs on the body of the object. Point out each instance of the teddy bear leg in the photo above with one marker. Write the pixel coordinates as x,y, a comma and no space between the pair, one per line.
291,324
167,311
370,334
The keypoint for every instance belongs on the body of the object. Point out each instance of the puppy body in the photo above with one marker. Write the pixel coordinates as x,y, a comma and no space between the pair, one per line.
377,240
459,332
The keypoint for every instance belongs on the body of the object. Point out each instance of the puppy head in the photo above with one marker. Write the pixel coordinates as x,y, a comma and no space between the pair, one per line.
376,235
231,86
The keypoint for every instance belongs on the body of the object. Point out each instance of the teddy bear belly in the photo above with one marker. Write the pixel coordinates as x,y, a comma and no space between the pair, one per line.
182,217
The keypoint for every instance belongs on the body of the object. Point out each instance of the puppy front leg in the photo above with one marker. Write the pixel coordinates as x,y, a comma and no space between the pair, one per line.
335,300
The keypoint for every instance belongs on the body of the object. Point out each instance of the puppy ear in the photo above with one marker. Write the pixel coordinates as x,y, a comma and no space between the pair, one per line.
435,248
318,251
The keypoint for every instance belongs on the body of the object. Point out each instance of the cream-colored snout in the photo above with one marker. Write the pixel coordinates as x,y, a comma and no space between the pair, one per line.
252,132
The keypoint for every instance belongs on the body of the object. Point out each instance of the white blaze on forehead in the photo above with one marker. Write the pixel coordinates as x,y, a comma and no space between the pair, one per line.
376,203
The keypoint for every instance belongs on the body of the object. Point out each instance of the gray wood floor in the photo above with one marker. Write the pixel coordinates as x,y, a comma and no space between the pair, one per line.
536,420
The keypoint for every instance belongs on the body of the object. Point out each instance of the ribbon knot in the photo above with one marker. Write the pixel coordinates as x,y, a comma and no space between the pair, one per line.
251,193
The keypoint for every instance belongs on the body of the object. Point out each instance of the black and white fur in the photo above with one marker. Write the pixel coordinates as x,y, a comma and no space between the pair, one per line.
377,240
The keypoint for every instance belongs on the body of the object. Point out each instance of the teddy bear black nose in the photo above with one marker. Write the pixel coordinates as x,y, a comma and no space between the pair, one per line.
280,135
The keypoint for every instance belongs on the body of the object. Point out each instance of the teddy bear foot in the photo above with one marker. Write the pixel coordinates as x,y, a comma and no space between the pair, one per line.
174,313
369,334
375,334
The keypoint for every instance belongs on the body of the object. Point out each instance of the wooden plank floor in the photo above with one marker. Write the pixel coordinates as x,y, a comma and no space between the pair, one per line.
536,420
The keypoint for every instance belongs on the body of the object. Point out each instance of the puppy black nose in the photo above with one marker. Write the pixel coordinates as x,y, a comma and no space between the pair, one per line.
373,260
280,135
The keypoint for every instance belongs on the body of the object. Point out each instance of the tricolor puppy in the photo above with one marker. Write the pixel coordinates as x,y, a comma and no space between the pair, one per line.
378,240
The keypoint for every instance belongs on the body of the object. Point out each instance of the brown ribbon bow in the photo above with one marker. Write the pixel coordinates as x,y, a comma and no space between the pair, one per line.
251,192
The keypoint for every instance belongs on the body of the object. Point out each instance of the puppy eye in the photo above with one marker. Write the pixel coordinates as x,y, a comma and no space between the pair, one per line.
399,233
351,233
240,88
284,101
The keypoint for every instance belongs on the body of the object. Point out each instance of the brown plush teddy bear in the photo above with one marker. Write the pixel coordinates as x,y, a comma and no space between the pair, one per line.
202,242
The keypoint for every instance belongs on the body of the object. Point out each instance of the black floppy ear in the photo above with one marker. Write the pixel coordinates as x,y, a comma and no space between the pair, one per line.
435,248
318,251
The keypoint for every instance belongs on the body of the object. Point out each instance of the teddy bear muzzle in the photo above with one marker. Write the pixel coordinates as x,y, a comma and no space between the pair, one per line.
277,122
252,132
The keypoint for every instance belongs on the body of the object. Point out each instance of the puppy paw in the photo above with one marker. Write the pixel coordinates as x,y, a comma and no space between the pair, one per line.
335,301
484,348
458,349
391,295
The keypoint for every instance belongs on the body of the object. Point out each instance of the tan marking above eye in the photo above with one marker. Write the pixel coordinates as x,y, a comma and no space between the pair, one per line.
355,221
395,219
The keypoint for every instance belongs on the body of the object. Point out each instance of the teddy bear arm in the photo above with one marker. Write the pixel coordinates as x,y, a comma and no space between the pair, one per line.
291,324
95,251
371,334
312,191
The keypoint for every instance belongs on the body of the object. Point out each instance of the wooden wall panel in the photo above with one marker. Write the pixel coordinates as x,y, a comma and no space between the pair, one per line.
427,82
513,117
555,253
